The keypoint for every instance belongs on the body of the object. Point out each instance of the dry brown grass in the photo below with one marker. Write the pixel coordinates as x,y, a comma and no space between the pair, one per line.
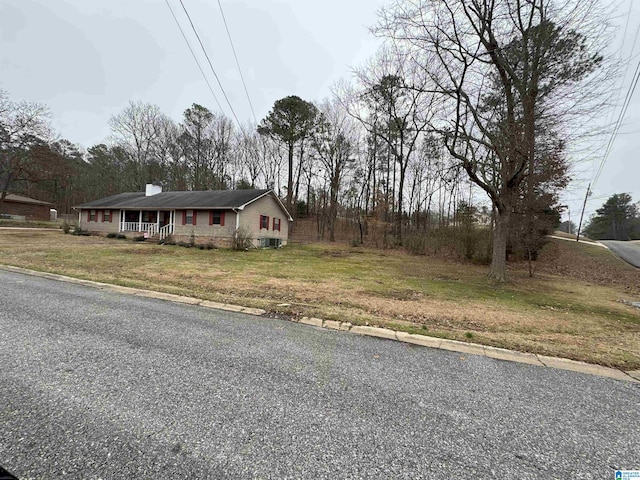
563,311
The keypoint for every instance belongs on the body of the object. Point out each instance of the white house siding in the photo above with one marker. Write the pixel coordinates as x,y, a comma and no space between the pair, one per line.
221,236
250,220
98,226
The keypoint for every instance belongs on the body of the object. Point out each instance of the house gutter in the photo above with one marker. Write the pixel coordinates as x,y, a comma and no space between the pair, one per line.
237,212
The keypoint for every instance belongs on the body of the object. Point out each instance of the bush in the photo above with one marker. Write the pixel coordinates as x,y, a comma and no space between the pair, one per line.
112,235
470,243
167,241
66,227
78,231
242,239
139,238
121,236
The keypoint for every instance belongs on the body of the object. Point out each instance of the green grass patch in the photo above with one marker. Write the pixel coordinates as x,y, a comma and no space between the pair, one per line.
550,313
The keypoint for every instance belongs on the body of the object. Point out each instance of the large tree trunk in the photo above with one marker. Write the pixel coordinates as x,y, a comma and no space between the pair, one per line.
498,269
290,182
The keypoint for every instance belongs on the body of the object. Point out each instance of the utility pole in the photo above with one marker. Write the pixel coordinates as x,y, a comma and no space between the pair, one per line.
584,205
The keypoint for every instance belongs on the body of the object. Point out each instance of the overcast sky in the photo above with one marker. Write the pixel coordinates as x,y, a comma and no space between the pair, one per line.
86,59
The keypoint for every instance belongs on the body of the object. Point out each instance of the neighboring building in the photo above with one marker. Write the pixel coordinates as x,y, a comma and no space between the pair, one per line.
20,207
204,216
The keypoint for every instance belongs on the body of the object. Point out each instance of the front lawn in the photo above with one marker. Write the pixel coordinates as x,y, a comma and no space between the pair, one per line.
556,313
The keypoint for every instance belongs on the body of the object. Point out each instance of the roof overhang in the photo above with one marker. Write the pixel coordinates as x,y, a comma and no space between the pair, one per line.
273,194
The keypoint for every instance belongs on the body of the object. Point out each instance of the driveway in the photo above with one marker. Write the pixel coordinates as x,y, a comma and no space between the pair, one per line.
627,251
100,385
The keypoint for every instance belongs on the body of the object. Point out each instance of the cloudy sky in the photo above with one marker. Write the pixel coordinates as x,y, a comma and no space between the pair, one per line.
87,59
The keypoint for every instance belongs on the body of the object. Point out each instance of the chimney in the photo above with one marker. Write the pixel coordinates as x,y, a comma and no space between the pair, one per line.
152,189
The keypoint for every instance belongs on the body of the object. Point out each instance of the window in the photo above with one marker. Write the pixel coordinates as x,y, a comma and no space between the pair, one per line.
106,215
93,216
270,242
189,218
216,218
264,222
276,224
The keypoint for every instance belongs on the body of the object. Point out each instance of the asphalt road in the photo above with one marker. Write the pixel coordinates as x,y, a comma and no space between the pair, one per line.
627,251
101,385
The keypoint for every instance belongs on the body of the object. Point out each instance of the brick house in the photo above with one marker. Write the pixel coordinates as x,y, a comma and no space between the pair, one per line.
215,216
29,208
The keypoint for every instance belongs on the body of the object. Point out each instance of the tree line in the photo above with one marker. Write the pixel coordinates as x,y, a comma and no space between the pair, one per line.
468,104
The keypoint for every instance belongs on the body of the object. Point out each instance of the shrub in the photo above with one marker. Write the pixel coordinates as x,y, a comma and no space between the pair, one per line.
112,235
78,231
167,241
470,243
66,227
242,239
121,236
139,238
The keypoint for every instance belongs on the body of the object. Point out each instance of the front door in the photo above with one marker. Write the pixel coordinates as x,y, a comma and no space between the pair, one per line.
165,218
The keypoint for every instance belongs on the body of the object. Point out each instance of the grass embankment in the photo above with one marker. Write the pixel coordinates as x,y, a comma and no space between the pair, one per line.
29,223
564,315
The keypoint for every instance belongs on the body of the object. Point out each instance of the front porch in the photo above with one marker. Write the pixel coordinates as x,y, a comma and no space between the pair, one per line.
160,223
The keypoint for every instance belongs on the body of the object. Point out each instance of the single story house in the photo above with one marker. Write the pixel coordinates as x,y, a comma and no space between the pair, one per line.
21,207
213,216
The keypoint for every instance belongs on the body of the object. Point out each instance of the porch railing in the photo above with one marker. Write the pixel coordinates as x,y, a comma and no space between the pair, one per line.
136,226
149,229
165,231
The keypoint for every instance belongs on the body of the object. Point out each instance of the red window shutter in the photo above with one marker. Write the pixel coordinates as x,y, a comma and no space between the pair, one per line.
102,212
260,222
210,217
222,219
184,217
195,214
88,215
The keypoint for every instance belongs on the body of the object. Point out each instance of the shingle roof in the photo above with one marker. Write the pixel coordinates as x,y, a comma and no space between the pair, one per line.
12,197
210,199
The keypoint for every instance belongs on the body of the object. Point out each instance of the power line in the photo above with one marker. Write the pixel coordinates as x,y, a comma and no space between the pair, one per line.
209,60
623,111
194,56
237,62
630,91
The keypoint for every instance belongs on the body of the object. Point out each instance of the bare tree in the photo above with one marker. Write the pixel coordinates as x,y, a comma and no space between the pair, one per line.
23,126
138,130
500,67
334,146
393,103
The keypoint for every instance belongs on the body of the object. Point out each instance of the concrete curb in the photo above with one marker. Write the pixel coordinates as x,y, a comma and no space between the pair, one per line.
138,291
384,333
477,349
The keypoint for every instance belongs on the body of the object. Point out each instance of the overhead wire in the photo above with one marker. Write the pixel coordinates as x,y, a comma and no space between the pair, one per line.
194,56
246,91
209,61
621,116
625,105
